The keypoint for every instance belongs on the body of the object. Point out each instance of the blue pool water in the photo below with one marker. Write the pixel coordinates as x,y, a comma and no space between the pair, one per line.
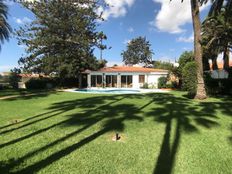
109,91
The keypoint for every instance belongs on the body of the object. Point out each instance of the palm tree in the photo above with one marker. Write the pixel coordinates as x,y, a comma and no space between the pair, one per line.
200,92
5,28
217,31
216,6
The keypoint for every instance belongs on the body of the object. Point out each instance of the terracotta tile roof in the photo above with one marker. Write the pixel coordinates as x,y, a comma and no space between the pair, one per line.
220,64
130,69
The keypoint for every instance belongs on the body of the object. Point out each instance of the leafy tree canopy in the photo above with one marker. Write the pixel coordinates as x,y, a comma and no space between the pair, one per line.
162,65
138,51
185,57
5,28
62,37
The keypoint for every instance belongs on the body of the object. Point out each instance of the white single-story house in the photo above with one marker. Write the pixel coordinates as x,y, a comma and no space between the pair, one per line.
122,77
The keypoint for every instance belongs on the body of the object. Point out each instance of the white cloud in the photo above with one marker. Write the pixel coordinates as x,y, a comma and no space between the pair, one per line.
130,30
186,39
173,15
23,20
126,41
116,8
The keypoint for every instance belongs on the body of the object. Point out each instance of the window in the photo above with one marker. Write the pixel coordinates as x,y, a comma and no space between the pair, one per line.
126,81
96,81
99,81
141,78
123,81
93,81
114,81
111,81
129,82
108,81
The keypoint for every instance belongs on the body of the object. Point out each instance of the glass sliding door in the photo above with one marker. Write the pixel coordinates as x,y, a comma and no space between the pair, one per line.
123,81
129,82
99,81
96,81
93,80
114,81
126,81
108,81
111,80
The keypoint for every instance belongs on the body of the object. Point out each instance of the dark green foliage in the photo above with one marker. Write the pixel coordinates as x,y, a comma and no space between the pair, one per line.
40,83
47,83
145,86
66,82
218,86
190,78
5,28
99,64
162,82
61,38
163,65
138,51
14,78
217,32
185,57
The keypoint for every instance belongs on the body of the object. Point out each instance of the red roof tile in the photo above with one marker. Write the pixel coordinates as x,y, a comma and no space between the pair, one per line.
220,65
130,69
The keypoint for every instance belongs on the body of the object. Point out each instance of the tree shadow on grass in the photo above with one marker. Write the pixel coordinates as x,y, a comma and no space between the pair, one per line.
114,115
31,95
177,113
180,115
230,138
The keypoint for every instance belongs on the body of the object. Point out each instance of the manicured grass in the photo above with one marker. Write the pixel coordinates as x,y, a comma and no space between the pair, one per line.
14,92
72,133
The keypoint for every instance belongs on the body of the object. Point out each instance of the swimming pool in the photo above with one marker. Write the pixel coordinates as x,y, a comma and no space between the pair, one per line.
108,91
115,91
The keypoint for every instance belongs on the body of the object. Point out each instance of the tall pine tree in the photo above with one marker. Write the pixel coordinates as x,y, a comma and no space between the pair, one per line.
62,37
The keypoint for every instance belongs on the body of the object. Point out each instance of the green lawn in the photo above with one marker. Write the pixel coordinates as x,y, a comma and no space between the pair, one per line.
13,92
72,133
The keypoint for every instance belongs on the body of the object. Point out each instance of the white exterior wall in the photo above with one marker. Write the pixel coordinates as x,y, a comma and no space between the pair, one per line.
136,81
153,80
150,78
219,74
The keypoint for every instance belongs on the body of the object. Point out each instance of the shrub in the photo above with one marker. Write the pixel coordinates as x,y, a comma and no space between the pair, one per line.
40,83
217,86
162,82
67,82
145,86
190,78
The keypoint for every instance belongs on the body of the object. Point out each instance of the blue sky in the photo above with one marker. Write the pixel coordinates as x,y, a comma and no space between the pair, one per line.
166,25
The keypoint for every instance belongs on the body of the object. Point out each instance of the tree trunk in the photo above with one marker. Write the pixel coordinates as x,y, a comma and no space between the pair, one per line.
200,93
214,62
226,54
